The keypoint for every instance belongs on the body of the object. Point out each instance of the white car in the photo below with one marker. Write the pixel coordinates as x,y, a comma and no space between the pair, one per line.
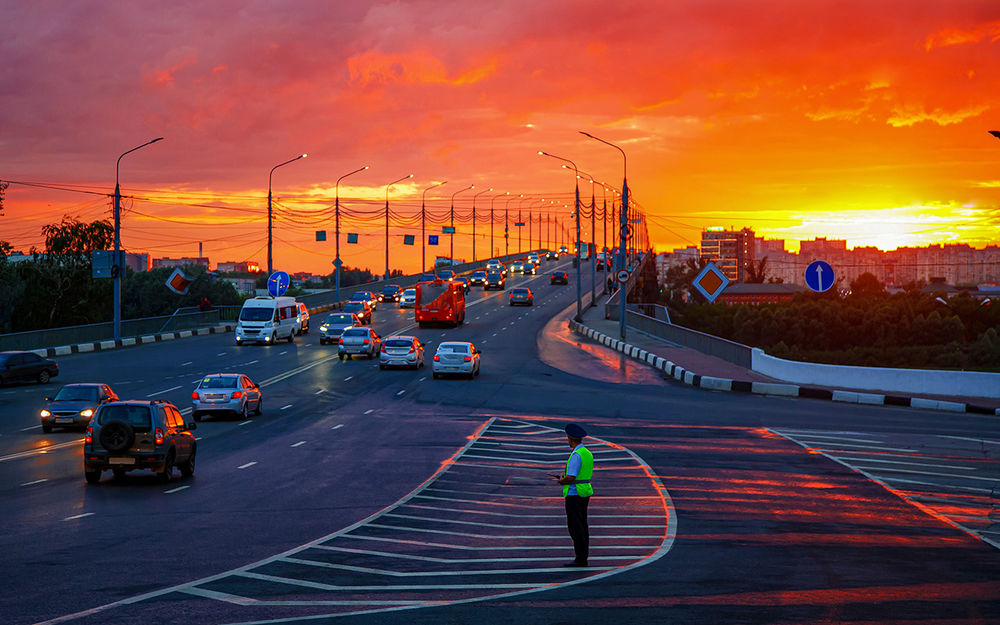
455,357
401,351
408,299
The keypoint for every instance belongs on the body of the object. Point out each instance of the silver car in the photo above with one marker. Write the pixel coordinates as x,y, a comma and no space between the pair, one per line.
358,341
335,324
458,358
408,299
401,351
229,393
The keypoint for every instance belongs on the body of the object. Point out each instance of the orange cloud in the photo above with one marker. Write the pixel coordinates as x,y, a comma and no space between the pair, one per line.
417,67
957,36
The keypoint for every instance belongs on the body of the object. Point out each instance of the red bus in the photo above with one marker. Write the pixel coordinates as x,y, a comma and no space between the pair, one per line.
439,300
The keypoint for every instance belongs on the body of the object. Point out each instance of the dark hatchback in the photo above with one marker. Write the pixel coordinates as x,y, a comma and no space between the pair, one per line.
477,278
559,277
17,366
390,293
74,405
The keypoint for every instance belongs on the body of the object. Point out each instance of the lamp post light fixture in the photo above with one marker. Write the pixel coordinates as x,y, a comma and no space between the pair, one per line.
451,252
118,267
423,223
576,211
386,280
474,196
270,214
493,250
506,226
624,226
337,262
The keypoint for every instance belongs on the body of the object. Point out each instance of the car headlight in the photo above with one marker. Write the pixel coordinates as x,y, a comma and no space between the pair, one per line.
324,327
87,413
45,413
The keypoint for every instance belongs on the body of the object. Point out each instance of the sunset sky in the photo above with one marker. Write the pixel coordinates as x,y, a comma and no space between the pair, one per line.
865,120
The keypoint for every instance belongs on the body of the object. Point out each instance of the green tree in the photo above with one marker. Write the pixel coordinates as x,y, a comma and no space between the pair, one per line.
867,286
756,271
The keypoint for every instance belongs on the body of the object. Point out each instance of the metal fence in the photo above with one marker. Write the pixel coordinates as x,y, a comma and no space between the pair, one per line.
191,317
727,350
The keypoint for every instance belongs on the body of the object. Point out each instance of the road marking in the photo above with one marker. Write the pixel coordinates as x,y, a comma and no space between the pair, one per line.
369,411
172,388
40,450
174,490
348,378
195,381
422,379
299,444
78,516
494,334
283,353
35,482
221,354
337,427
320,391
253,362
244,466
184,364
186,410
32,427
243,422
286,407
400,392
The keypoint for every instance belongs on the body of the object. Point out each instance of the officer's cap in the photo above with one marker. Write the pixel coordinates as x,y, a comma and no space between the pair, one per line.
575,431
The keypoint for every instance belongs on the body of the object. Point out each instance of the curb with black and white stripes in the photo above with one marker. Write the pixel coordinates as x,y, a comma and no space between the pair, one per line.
771,388
97,346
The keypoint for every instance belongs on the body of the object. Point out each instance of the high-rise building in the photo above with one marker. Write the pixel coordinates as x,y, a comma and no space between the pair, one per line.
729,250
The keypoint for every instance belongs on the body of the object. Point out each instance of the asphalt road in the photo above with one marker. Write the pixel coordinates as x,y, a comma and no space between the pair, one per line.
385,497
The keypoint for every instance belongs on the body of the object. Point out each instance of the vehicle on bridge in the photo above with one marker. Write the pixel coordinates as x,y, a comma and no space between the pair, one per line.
495,280
16,366
335,324
559,277
362,296
456,357
521,296
390,293
358,341
440,301
265,319
401,351
363,309
477,278
517,266
303,319
74,405
408,299
228,393
130,435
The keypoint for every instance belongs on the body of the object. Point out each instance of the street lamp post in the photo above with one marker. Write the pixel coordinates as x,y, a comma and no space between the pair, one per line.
474,196
270,214
451,252
492,249
423,222
624,231
337,262
386,279
118,267
506,225
576,211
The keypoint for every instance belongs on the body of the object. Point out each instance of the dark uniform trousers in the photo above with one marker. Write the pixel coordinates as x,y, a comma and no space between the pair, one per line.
576,521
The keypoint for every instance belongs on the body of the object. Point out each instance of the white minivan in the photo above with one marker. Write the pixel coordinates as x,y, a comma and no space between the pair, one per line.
265,319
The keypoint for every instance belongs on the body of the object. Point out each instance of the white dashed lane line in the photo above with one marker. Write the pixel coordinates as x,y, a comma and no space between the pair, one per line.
78,516
174,490
369,411
299,444
348,378
184,364
247,465
286,407
35,482
172,388
320,391
400,392
337,427
244,422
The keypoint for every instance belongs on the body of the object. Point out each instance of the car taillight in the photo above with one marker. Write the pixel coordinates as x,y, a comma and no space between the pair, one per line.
437,358
366,341
341,340
237,394
412,349
158,436
194,394
467,358
383,347
89,438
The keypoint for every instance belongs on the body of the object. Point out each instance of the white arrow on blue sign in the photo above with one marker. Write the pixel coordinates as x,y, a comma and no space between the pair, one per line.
819,276
277,283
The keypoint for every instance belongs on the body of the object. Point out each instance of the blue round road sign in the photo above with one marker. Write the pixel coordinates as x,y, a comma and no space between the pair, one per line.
819,276
277,283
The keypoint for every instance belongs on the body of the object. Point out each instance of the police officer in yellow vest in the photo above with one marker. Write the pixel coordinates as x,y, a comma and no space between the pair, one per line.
577,491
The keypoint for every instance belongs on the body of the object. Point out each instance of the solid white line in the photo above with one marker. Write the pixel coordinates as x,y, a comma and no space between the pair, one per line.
841,438
174,490
78,516
286,407
974,440
35,482
831,449
337,427
916,464
319,586
244,466
172,388
940,487
40,450
299,444
878,470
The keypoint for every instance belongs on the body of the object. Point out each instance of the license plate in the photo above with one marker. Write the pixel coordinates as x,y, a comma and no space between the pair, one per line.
121,460
64,420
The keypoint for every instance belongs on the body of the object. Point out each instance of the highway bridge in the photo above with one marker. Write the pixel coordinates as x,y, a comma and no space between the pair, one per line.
368,496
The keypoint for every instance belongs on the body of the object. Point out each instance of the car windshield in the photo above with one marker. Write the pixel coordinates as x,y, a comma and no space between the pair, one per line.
340,318
479,274
410,292
136,416
256,314
519,291
453,349
390,290
354,306
219,382
356,332
398,343
76,393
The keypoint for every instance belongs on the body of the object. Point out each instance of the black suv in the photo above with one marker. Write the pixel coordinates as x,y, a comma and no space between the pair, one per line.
477,278
495,280
128,435
390,293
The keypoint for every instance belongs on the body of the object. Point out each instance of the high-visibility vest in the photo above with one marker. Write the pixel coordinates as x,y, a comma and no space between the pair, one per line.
582,483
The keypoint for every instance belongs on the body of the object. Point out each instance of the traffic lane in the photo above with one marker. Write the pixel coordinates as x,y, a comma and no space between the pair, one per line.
254,494
767,533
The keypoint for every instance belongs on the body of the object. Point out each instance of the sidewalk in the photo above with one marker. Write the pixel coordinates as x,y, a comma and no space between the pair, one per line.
711,373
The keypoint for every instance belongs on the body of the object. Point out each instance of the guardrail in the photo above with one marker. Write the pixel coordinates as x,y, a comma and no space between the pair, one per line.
191,317
727,350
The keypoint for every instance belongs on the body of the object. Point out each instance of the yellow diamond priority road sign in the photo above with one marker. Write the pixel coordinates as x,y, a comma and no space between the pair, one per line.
711,282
